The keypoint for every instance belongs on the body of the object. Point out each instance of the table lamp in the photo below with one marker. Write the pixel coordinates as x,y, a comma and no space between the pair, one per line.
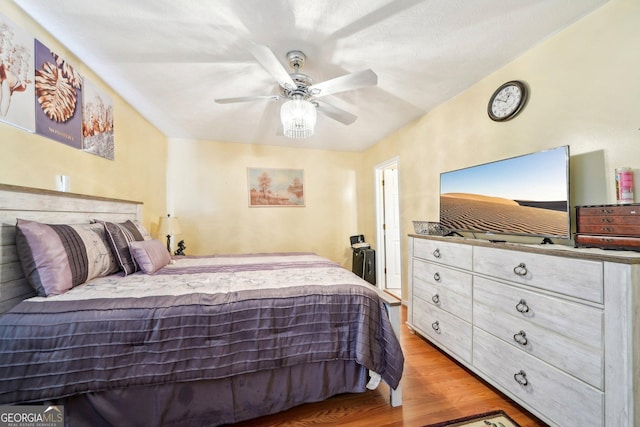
169,226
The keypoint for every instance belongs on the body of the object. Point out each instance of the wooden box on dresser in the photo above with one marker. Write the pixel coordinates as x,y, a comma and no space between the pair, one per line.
608,227
553,327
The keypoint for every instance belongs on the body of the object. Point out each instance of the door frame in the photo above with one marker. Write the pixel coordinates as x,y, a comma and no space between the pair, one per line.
378,170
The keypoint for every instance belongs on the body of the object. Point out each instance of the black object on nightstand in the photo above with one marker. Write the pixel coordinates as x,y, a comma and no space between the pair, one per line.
181,248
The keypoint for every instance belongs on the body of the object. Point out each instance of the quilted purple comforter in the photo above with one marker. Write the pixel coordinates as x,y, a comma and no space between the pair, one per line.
200,318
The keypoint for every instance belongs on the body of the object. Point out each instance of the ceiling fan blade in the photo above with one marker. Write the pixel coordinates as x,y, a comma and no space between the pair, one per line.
356,80
335,113
268,60
248,99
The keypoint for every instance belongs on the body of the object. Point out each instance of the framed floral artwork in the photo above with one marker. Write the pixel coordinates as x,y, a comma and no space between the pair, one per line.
97,121
58,95
16,76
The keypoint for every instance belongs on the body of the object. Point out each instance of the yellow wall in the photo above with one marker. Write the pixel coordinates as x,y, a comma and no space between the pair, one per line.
208,193
137,173
584,92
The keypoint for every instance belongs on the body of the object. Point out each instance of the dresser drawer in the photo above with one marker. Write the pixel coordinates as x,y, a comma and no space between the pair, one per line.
446,288
607,242
562,398
451,254
610,229
570,276
604,220
609,210
564,334
444,329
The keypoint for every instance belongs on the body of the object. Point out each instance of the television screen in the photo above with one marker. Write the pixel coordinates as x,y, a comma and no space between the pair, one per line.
526,196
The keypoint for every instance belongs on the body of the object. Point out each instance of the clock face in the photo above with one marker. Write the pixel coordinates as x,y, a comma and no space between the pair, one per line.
507,101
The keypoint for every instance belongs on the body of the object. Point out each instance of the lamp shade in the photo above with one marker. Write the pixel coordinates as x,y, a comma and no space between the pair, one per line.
169,226
298,118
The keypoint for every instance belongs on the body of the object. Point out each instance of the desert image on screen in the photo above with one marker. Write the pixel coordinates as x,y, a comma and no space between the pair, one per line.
460,211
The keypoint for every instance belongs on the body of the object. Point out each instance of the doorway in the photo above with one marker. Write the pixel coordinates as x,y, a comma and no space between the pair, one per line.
388,254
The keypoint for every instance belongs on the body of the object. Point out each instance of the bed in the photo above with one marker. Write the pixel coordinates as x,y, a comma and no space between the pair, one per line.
189,340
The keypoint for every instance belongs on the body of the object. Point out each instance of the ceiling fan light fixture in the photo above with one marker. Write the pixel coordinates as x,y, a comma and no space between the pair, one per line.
298,118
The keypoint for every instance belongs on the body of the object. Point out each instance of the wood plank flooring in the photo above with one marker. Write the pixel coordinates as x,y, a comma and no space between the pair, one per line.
435,389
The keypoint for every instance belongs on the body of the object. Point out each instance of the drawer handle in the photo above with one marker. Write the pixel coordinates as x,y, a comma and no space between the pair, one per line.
436,299
608,211
522,306
521,338
607,220
609,229
436,326
436,253
437,277
520,269
521,378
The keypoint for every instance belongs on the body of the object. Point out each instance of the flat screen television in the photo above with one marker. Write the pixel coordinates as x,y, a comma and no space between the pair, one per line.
526,195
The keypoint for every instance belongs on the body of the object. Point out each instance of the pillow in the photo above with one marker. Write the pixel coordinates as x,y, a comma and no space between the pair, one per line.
143,231
119,237
151,255
55,258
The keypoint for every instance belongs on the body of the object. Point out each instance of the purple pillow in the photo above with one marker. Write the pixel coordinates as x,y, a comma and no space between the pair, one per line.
151,255
119,237
55,258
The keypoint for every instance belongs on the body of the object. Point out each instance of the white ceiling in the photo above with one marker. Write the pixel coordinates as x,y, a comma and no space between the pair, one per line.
170,59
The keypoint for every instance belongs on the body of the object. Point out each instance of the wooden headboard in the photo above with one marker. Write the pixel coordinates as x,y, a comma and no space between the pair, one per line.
51,207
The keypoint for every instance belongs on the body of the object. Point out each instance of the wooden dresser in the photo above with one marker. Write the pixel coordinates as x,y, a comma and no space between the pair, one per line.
555,328
608,227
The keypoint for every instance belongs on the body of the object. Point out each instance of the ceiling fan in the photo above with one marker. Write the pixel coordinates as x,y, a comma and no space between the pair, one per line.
298,114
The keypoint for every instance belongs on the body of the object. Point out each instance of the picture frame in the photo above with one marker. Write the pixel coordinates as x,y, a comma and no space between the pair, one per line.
269,187
97,121
58,97
17,74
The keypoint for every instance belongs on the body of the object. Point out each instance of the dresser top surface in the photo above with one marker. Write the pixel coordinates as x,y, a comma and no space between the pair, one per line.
625,257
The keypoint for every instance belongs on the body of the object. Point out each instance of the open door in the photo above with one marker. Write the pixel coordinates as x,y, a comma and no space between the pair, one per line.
388,228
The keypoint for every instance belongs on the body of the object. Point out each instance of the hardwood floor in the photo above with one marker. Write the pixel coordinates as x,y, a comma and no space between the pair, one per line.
435,389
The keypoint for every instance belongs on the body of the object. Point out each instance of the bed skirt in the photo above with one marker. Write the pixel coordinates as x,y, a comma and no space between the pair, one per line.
215,402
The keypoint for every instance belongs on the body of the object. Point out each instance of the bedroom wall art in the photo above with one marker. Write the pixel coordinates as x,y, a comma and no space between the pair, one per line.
97,121
58,98
16,76
275,187
41,92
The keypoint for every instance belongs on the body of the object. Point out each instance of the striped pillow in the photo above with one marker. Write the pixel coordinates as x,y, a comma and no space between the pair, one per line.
120,237
55,258
143,231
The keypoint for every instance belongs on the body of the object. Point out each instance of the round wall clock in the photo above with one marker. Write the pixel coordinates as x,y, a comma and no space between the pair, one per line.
507,101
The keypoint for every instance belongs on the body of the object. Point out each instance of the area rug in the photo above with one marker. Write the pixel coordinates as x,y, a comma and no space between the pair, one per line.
489,419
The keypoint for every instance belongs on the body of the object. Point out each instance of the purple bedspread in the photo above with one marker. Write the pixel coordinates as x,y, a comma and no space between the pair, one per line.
52,349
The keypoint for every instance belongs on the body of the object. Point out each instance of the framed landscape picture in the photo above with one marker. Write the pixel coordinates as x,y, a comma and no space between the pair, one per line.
275,187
